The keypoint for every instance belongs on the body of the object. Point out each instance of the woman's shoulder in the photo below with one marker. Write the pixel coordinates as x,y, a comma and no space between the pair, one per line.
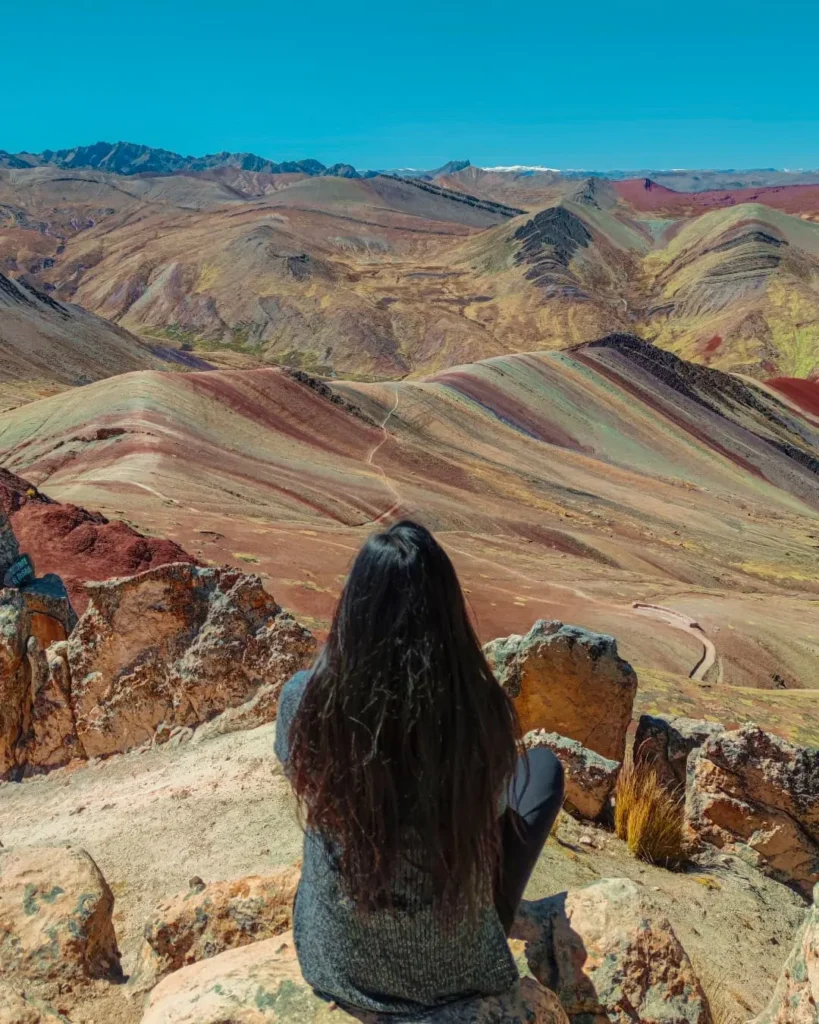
289,700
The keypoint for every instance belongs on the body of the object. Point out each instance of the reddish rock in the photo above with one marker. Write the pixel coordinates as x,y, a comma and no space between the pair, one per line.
175,646
757,795
570,681
76,544
205,921
665,742
589,778
611,956
796,997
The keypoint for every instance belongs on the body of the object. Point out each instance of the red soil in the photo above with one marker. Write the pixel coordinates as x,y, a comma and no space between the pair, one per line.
713,344
804,393
790,198
76,544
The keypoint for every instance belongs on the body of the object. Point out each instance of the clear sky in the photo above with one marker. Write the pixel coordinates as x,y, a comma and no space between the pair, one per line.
576,84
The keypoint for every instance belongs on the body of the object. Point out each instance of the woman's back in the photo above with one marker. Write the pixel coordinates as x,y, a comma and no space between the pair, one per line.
413,955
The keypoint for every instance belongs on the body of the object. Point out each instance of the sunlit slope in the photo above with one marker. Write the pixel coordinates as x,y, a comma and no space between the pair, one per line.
739,289
565,484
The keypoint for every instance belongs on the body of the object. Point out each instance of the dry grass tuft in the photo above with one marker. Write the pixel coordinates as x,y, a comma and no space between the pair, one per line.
647,817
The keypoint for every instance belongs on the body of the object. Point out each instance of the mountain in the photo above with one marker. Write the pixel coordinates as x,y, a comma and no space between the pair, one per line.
127,158
383,276
565,484
48,346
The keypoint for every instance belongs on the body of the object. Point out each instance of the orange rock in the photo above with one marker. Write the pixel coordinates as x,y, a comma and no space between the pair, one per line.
570,681
796,997
209,919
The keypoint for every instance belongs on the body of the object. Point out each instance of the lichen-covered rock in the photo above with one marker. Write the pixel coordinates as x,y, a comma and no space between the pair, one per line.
262,708
175,646
611,956
17,1006
9,549
665,743
757,795
55,917
589,778
261,984
51,740
209,919
15,696
570,681
796,997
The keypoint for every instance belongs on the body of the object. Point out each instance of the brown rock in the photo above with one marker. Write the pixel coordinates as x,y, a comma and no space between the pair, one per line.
611,956
262,983
208,919
175,646
52,739
55,917
666,742
589,778
260,709
9,549
15,680
19,1007
756,795
570,681
796,997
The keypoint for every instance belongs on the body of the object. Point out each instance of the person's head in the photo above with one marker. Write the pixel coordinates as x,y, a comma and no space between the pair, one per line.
403,730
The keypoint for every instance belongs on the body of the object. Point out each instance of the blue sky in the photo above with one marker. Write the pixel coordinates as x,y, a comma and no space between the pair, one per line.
583,84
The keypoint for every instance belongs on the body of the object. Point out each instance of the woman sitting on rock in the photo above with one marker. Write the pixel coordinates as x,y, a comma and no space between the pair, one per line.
422,823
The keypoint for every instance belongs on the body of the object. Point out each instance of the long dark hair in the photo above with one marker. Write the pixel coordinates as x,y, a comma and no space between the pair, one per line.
403,738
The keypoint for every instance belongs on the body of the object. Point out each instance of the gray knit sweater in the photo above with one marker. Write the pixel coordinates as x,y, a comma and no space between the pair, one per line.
400,962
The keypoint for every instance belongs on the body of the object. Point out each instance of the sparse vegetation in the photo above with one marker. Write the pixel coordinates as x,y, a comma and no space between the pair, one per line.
649,818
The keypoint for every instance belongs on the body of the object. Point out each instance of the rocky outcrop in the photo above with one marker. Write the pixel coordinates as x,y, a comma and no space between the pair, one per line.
55,918
77,544
175,646
570,681
259,710
756,795
796,997
665,743
611,956
262,982
209,919
17,1006
589,778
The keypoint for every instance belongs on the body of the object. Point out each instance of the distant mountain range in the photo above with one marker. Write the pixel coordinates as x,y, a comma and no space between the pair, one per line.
128,158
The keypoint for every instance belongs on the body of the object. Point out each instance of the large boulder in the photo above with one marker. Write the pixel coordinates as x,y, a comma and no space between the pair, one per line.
757,795
262,708
611,956
570,681
175,646
9,549
15,677
665,742
56,923
589,778
796,997
209,919
262,983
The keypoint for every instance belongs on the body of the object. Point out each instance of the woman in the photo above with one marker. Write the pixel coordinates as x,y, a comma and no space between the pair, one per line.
422,826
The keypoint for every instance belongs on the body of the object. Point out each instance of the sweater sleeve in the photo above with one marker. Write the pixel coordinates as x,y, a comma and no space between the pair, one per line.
289,701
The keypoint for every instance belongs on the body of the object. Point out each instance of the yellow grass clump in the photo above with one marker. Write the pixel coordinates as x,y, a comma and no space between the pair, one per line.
647,817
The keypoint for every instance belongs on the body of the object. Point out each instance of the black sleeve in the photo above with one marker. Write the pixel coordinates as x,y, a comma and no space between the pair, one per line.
288,705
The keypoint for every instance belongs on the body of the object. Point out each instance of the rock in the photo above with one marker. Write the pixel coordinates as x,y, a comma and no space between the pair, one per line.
77,544
611,955
666,743
175,646
52,616
208,919
52,739
15,683
796,996
55,917
589,778
570,681
9,549
18,1007
755,795
262,982
260,709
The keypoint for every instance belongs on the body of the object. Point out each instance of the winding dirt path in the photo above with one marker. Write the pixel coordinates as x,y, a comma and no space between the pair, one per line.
387,481
679,620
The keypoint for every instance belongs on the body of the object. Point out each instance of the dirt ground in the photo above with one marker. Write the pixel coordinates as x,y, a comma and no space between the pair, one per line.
222,809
